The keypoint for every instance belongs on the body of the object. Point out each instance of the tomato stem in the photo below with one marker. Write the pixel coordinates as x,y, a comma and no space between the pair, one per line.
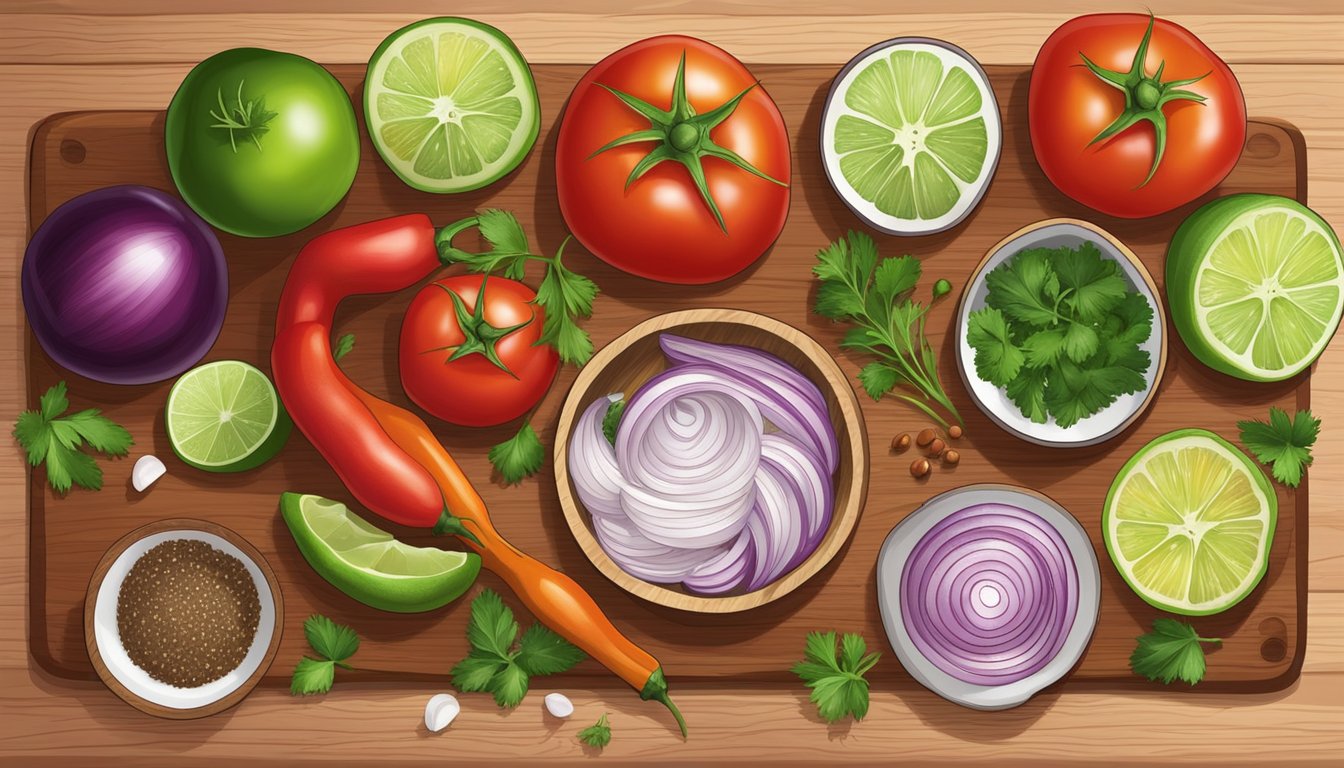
479,337
1144,97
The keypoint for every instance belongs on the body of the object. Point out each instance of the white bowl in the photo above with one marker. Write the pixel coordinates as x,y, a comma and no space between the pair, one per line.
135,684
901,542
993,400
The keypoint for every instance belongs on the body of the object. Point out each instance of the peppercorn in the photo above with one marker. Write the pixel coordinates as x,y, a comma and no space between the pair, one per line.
937,447
920,467
900,442
955,431
925,437
951,458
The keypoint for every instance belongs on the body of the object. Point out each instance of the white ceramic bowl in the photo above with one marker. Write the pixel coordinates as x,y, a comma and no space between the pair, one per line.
994,402
135,684
901,542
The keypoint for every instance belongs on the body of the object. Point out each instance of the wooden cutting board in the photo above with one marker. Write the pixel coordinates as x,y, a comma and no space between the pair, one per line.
75,153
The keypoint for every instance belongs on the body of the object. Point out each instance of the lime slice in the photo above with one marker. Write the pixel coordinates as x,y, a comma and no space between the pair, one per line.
911,135
371,566
1189,521
450,104
1256,285
225,417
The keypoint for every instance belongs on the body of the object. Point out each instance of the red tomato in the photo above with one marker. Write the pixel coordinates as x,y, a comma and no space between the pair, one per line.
1070,104
660,225
472,390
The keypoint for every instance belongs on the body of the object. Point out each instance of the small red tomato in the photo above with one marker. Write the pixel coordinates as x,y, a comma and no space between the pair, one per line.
672,162
1132,115
471,361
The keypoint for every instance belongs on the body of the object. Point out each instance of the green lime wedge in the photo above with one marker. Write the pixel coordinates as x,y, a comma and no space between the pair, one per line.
1256,285
371,566
911,135
450,104
225,417
1189,521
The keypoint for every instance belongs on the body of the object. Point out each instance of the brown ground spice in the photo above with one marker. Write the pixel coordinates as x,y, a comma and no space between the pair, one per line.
187,613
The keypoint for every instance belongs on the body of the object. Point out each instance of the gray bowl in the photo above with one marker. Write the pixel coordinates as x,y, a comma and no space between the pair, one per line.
993,401
891,565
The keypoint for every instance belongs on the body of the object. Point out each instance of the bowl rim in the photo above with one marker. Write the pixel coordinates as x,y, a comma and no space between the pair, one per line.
843,520
171,526
1159,326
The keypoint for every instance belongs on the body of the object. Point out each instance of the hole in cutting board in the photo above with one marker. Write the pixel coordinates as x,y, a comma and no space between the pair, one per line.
72,151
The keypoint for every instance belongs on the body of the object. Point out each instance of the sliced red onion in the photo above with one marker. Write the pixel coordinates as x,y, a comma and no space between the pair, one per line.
681,350
988,594
593,462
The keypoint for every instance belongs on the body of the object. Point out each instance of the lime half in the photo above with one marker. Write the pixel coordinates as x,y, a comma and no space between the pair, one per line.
371,566
911,136
450,104
1256,285
225,417
1189,521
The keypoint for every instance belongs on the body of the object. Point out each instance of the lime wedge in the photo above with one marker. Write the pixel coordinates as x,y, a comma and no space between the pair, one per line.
1256,285
911,135
225,417
450,104
1189,521
371,566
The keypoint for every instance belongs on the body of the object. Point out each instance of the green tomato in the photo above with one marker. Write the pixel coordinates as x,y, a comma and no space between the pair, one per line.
261,143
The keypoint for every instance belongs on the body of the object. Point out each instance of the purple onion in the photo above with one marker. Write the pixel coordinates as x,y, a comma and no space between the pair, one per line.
125,285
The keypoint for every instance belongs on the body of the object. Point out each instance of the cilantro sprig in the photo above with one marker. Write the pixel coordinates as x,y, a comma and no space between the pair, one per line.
598,734
1172,650
837,680
334,643
518,457
874,296
498,665
1283,444
1060,332
54,439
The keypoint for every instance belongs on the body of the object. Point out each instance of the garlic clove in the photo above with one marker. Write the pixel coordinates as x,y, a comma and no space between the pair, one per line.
559,705
147,469
440,710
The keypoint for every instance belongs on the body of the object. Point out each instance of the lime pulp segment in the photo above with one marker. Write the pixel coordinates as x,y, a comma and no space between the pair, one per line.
915,129
1188,523
221,413
451,104
1270,290
363,546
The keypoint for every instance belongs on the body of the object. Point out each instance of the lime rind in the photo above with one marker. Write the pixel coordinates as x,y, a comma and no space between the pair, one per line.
911,135
225,416
451,104
1188,523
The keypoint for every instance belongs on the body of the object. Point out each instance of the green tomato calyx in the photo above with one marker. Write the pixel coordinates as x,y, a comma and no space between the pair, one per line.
248,117
479,336
682,136
1144,97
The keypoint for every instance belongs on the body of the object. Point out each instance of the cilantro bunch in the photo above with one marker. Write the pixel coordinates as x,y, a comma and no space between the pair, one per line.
1061,332
499,665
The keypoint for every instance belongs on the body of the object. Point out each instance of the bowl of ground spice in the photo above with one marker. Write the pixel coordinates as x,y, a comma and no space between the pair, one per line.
180,618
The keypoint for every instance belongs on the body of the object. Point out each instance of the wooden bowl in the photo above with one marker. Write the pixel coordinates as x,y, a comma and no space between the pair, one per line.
994,402
133,684
634,357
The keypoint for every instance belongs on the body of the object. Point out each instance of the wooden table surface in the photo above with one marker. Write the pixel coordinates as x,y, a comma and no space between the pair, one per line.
62,55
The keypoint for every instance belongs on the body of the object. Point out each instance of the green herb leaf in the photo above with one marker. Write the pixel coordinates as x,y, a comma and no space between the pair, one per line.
566,297
343,346
518,457
878,379
509,686
1080,342
837,681
49,438
1172,650
542,652
492,627
997,359
1091,283
1072,393
494,665
1025,288
1027,392
598,734
1282,444
312,676
611,421
329,639
895,276
475,672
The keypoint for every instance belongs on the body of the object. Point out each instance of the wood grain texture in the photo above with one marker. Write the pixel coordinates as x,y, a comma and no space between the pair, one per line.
758,645
51,722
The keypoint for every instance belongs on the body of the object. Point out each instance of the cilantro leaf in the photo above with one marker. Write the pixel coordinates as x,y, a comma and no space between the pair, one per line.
474,672
1172,650
878,379
598,734
997,358
542,652
492,627
343,346
837,680
1080,342
1091,283
333,641
1043,348
518,457
1025,288
1027,392
611,420
51,439
1072,393
312,676
1282,444
509,686
895,276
